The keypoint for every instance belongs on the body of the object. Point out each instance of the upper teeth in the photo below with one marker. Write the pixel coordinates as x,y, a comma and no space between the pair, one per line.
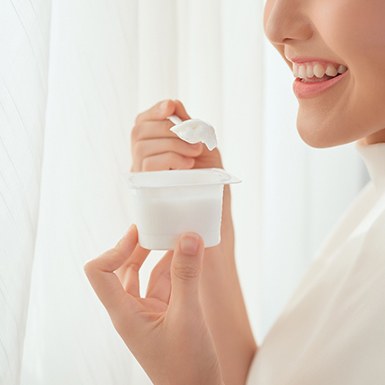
309,70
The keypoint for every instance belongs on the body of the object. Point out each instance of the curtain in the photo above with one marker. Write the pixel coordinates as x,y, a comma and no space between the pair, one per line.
73,76
24,41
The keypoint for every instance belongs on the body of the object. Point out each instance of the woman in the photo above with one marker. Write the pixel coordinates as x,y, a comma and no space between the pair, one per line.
192,327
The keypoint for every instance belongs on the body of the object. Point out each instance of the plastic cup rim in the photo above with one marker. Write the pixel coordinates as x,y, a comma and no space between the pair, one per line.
226,178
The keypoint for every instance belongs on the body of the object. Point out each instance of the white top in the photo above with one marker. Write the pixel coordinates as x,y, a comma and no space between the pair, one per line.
332,332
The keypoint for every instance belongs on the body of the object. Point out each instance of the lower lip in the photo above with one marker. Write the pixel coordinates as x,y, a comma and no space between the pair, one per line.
308,90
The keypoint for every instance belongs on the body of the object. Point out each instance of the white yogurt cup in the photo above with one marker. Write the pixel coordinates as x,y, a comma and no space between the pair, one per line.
166,204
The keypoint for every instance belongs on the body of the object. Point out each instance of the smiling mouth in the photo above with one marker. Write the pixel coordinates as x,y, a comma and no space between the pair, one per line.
315,72
312,79
318,80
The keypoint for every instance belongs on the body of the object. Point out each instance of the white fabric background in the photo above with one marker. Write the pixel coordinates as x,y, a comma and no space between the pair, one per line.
73,76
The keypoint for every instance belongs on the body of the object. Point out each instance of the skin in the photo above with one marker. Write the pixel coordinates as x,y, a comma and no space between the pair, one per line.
155,147
349,32
192,326
221,305
166,331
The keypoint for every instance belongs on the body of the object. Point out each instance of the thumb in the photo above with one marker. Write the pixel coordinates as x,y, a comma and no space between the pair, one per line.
186,267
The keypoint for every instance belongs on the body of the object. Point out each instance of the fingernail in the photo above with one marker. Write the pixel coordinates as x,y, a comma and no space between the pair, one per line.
189,244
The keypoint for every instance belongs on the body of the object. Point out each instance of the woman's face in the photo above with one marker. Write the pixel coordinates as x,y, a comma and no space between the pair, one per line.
317,35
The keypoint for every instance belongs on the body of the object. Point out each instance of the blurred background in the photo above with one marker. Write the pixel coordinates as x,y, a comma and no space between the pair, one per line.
73,76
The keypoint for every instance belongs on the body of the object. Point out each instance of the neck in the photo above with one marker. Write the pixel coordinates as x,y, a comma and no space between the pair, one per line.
377,137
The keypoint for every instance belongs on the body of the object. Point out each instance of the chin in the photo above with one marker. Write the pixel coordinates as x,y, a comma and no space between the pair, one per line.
316,136
313,140
326,132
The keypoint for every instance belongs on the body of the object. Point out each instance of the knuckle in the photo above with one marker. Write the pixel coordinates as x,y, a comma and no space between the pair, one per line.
179,102
141,116
165,103
98,263
138,150
135,267
134,133
88,268
186,272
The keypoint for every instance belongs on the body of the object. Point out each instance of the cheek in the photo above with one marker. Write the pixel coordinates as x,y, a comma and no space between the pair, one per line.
359,39
355,33
353,27
266,12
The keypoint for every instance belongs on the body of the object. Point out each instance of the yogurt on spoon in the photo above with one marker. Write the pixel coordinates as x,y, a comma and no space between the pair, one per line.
194,131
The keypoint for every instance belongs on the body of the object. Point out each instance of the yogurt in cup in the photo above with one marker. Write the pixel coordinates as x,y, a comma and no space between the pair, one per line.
168,203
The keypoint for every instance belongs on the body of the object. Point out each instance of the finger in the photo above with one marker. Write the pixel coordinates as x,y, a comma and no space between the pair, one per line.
159,284
159,111
167,161
186,267
153,123
100,271
180,110
128,273
145,148
150,129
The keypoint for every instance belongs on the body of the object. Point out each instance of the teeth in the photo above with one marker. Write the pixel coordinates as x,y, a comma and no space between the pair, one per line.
302,72
316,70
319,71
309,71
331,70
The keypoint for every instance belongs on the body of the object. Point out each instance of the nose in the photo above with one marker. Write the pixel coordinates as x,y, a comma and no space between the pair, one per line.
287,20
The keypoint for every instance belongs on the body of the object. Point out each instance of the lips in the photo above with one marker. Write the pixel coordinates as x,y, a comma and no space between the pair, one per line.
308,89
315,75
